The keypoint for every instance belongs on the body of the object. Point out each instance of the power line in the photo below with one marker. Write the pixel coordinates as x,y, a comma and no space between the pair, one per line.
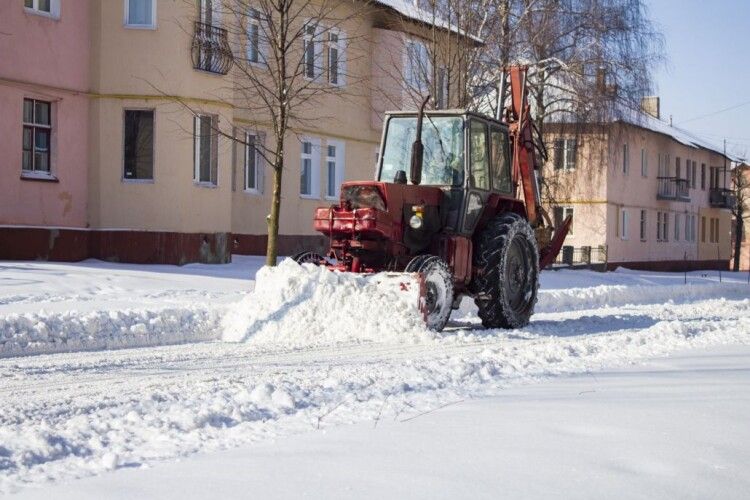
730,108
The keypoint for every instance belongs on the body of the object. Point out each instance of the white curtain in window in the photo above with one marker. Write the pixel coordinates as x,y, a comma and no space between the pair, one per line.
140,12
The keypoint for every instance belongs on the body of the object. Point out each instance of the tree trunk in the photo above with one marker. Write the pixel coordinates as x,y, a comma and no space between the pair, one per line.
739,223
273,217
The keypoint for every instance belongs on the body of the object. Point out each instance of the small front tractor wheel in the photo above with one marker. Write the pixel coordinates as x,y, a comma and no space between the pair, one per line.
507,257
309,258
438,289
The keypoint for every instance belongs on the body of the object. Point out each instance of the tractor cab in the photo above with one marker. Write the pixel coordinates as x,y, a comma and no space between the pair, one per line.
465,155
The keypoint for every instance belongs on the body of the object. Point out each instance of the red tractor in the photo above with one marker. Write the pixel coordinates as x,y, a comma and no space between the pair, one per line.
457,219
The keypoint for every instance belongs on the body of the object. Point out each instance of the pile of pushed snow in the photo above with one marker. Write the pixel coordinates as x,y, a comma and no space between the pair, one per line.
309,305
49,332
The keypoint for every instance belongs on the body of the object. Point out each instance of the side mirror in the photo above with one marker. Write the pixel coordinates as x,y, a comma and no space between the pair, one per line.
400,177
417,150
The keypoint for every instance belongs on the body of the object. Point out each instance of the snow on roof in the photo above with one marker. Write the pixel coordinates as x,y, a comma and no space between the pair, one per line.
648,122
410,10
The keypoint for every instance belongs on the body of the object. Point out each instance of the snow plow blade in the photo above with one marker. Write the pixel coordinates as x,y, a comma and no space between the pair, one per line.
306,304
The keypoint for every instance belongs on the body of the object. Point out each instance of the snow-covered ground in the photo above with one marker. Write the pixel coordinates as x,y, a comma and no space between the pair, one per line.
669,428
88,411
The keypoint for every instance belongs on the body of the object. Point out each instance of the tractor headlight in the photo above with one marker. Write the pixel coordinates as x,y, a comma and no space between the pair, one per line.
416,222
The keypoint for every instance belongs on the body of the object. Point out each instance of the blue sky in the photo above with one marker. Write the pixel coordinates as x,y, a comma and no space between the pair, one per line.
708,68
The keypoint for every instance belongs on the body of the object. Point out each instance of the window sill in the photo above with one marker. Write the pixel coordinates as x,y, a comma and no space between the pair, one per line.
147,27
138,181
41,13
252,192
209,185
332,198
32,176
309,197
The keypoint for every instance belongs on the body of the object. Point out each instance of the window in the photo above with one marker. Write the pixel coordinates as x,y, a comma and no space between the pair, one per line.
310,169
643,225
559,215
658,226
311,52
693,176
480,178
253,171
703,229
565,154
334,168
37,136
703,176
417,65
677,227
253,36
140,13
666,226
625,219
500,161
138,154
49,8
441,100
625,159
206,151
677,168
644,163
336,58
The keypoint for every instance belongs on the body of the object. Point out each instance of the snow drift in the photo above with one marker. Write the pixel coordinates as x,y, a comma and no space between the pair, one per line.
308,305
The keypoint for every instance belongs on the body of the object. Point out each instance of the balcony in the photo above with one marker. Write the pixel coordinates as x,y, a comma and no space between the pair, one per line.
211,51
672,188
721,198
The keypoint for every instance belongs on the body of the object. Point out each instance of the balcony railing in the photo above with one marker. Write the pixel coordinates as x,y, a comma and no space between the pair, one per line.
721,198
672,188
211,51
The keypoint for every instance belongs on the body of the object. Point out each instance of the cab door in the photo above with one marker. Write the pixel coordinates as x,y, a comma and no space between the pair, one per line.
478,168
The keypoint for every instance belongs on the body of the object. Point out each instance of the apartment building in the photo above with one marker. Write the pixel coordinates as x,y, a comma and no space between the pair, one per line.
743,171
118,140
643,194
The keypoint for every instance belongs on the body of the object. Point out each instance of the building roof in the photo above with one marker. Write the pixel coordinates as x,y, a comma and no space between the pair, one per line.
410,10
648,122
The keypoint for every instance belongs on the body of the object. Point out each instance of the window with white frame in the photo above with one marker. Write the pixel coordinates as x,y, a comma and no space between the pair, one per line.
625,159
335,155
37,136
311,51
417,65
140,13
310,168
624,222
643,225
253,36
206,151
644,163
49,8
666,226
565,152
336,57
559,215
253,171
677,227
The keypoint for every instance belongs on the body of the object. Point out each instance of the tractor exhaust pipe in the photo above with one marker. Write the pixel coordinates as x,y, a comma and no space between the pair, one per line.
417,149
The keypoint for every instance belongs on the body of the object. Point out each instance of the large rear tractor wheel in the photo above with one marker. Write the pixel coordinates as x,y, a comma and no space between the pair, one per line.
438,289
506,288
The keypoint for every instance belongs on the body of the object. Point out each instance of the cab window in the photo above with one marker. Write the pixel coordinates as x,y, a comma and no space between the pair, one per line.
480,178
500,160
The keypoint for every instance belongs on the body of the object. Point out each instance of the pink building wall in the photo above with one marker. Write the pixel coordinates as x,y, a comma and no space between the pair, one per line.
45,58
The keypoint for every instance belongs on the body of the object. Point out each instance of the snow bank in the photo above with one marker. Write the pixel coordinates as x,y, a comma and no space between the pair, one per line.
23,334
620,295
308,305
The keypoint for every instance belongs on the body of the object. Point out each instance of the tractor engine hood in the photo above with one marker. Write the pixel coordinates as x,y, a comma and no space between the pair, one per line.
373,209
